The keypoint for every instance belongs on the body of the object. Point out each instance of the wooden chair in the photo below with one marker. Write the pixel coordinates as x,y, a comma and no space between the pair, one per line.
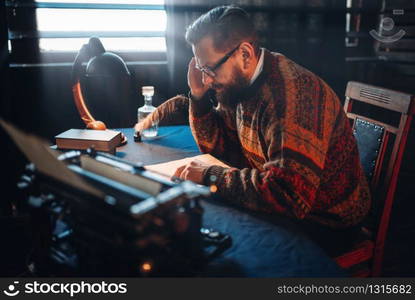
381,148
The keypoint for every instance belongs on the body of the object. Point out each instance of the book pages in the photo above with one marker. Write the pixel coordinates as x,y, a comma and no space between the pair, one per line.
168,169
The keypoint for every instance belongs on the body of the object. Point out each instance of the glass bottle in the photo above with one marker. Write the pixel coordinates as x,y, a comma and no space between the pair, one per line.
145,110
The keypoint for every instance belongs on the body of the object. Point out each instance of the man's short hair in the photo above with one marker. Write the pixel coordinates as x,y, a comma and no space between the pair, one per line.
227,25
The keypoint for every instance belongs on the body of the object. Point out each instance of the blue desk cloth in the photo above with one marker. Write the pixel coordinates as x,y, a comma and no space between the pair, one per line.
263,246
172,142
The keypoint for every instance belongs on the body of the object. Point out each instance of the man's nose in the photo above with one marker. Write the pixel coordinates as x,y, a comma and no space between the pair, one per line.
206,79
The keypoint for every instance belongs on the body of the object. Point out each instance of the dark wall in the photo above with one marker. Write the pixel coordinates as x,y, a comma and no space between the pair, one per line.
311,33
7,146
4,64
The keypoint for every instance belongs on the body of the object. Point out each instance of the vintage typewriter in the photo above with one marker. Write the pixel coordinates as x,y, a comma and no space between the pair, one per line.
93,214
131,223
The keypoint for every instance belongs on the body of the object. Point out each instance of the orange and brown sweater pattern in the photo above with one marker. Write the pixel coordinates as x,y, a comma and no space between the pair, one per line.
290,146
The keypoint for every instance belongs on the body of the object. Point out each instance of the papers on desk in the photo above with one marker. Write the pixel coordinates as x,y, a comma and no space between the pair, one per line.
168,169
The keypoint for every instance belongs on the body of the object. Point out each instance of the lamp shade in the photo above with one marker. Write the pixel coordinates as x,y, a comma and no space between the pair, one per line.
107,64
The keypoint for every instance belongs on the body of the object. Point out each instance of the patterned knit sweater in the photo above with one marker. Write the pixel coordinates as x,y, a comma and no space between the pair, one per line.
289,143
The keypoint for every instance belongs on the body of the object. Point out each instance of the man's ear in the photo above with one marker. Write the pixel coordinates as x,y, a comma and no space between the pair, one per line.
248,54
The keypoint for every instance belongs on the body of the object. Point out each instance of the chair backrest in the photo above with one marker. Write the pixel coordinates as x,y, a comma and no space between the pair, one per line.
381,148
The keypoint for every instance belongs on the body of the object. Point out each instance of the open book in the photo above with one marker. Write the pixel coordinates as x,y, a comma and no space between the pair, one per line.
168,169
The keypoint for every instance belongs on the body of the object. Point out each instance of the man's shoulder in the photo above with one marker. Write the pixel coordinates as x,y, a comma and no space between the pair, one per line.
272,56
288,84
286,66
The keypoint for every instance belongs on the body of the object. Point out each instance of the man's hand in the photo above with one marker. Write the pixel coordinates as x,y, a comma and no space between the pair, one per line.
192,171
194,80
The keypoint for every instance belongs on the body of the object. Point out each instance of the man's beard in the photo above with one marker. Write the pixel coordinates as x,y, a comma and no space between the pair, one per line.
234,92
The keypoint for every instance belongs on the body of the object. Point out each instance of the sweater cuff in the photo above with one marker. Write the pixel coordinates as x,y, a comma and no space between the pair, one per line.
213,174
200,107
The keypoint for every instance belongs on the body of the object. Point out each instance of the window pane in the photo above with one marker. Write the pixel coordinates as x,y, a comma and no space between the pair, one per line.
145,44
154,2
67,20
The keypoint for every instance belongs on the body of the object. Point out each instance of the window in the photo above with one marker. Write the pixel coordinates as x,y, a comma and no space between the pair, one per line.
132,29
57,27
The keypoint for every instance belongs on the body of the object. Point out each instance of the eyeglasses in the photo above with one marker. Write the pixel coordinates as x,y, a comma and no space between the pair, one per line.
210,71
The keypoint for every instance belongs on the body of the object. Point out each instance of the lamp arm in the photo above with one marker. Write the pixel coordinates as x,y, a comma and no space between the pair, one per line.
83,55
83,110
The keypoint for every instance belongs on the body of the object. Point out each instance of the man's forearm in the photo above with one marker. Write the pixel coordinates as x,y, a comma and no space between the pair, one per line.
172,112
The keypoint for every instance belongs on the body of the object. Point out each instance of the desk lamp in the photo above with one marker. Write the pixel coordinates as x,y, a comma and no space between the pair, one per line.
100,63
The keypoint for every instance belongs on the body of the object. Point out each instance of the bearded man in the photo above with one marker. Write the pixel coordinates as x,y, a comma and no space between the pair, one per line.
280,127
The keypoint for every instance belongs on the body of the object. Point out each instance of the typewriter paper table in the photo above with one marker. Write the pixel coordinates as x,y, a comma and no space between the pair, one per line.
260,248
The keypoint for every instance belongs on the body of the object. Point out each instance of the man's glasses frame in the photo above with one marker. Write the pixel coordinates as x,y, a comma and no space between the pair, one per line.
210,71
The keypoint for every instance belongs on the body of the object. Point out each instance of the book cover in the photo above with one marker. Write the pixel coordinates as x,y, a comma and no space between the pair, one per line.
80,139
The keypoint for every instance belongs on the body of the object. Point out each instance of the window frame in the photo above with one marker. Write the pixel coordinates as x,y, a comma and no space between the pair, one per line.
24,36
